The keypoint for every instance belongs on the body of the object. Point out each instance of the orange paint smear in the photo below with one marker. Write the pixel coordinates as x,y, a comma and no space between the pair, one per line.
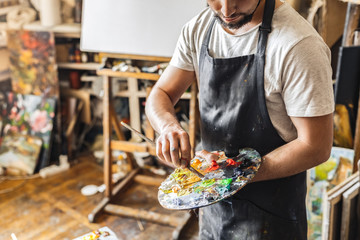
196,164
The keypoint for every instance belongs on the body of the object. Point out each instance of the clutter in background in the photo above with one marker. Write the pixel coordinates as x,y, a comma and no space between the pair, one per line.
322,179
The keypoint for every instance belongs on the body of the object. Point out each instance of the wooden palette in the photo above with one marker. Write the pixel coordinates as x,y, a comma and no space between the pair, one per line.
184,190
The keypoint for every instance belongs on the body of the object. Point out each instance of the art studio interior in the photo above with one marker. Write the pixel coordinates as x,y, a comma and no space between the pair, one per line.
191,119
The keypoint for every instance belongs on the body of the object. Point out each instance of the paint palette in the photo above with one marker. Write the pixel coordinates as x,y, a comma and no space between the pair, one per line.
222,178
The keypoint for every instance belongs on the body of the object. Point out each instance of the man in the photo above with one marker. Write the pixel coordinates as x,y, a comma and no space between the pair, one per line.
264,79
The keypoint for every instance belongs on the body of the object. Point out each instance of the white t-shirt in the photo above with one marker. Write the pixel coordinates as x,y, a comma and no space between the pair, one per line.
298,74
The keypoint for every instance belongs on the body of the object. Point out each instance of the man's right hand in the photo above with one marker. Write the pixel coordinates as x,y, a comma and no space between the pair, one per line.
173,146
161,114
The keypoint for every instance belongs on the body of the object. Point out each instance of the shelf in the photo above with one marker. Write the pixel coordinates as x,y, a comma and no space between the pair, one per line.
142,94
90,78
139,94
66,30
79,66
145,76
136,57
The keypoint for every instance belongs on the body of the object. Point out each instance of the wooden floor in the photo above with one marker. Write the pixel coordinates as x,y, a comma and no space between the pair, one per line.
54,208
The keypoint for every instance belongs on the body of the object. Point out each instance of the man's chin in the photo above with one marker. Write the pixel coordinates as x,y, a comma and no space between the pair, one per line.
235,25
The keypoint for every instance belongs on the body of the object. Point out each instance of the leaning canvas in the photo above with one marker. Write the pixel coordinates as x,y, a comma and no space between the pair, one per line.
19,153
32,115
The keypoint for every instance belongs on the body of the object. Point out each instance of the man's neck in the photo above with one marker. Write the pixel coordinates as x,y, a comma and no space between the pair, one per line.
257,18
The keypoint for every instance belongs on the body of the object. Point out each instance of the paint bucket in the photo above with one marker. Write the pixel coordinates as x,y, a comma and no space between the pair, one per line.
50,14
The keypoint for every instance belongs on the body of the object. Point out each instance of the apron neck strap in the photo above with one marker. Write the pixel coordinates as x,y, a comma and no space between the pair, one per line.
265,27
208,32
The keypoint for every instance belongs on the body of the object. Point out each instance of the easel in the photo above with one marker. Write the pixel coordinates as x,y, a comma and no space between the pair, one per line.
110,120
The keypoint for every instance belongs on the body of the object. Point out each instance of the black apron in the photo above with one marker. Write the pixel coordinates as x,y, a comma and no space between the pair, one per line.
234,115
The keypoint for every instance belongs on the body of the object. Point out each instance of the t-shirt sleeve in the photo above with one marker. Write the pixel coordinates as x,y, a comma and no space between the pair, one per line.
307,79
183,57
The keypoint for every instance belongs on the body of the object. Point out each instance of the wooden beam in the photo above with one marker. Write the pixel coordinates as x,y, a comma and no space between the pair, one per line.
133,147
147,180
145,76
143,214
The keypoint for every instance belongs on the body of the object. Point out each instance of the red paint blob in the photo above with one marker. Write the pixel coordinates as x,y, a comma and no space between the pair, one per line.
231,162
213,166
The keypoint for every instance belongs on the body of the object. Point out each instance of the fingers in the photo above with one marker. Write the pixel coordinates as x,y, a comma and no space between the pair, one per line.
165,150
159,150
161,154
174,152
185,149
174,147
208,156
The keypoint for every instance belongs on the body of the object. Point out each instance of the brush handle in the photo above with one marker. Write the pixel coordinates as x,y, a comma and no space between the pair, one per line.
152,142
194,171
138,133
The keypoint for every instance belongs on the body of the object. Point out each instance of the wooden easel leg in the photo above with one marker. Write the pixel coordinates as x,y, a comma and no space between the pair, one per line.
106,200
107,136
149,131
98,209
134,107
119,133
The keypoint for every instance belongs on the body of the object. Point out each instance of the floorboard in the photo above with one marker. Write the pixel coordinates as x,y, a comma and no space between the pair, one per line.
54,208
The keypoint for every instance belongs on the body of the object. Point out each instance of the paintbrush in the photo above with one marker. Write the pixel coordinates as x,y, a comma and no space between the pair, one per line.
193,170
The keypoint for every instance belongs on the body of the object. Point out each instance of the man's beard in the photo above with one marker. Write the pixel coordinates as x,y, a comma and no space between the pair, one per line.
246,19
236,25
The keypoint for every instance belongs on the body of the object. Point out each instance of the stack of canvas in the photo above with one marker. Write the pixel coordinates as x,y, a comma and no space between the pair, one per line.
340,214
323,180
